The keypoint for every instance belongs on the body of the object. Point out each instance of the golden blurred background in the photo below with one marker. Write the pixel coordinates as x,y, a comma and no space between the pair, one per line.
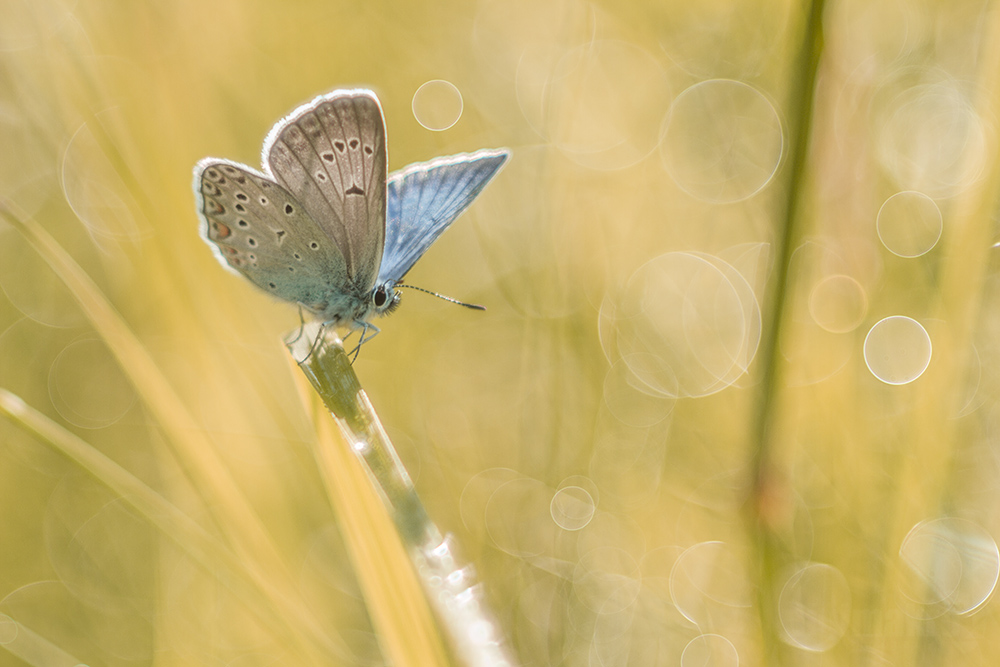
733,400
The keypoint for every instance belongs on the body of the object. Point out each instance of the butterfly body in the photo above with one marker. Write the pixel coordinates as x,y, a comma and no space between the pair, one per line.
324,225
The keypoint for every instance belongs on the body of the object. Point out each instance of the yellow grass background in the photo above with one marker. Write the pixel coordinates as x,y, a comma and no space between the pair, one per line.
671,438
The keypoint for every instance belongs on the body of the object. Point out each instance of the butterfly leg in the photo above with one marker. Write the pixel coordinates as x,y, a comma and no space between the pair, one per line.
302,328
365,337
320,337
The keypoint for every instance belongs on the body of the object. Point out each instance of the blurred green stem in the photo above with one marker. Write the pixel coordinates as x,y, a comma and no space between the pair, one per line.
765,479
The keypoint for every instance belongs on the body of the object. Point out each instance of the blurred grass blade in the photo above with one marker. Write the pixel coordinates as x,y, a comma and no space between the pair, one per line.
193,448
229,506
801,93
31,647
936,440
269,605
361,494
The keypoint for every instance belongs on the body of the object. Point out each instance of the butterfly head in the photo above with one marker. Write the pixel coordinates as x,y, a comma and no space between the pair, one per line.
385,298
355,308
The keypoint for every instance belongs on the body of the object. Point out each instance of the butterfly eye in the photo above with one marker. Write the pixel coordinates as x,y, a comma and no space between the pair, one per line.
385,299
380,297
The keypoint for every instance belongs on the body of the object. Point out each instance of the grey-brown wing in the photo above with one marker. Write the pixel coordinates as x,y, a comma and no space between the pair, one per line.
330,154
259,229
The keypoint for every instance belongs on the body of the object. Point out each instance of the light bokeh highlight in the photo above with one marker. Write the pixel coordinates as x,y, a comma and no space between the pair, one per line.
733,399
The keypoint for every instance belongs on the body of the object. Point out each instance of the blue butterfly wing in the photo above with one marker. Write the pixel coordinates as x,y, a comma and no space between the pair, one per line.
424,199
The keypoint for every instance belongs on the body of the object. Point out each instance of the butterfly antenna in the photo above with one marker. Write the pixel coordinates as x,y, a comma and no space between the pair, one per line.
473,306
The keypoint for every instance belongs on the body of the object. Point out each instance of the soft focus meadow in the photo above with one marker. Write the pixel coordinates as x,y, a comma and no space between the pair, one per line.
734,400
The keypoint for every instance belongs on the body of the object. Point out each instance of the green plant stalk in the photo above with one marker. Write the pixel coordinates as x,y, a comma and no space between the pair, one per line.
330,373
764,477
451,587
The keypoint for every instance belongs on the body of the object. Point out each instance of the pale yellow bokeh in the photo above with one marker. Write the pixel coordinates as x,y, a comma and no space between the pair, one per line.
664,442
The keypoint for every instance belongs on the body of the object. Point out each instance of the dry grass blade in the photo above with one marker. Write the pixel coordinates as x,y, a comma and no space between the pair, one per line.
385,524
233,514
269,605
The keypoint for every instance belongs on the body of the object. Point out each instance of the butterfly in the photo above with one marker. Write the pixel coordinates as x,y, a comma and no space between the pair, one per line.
324,225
